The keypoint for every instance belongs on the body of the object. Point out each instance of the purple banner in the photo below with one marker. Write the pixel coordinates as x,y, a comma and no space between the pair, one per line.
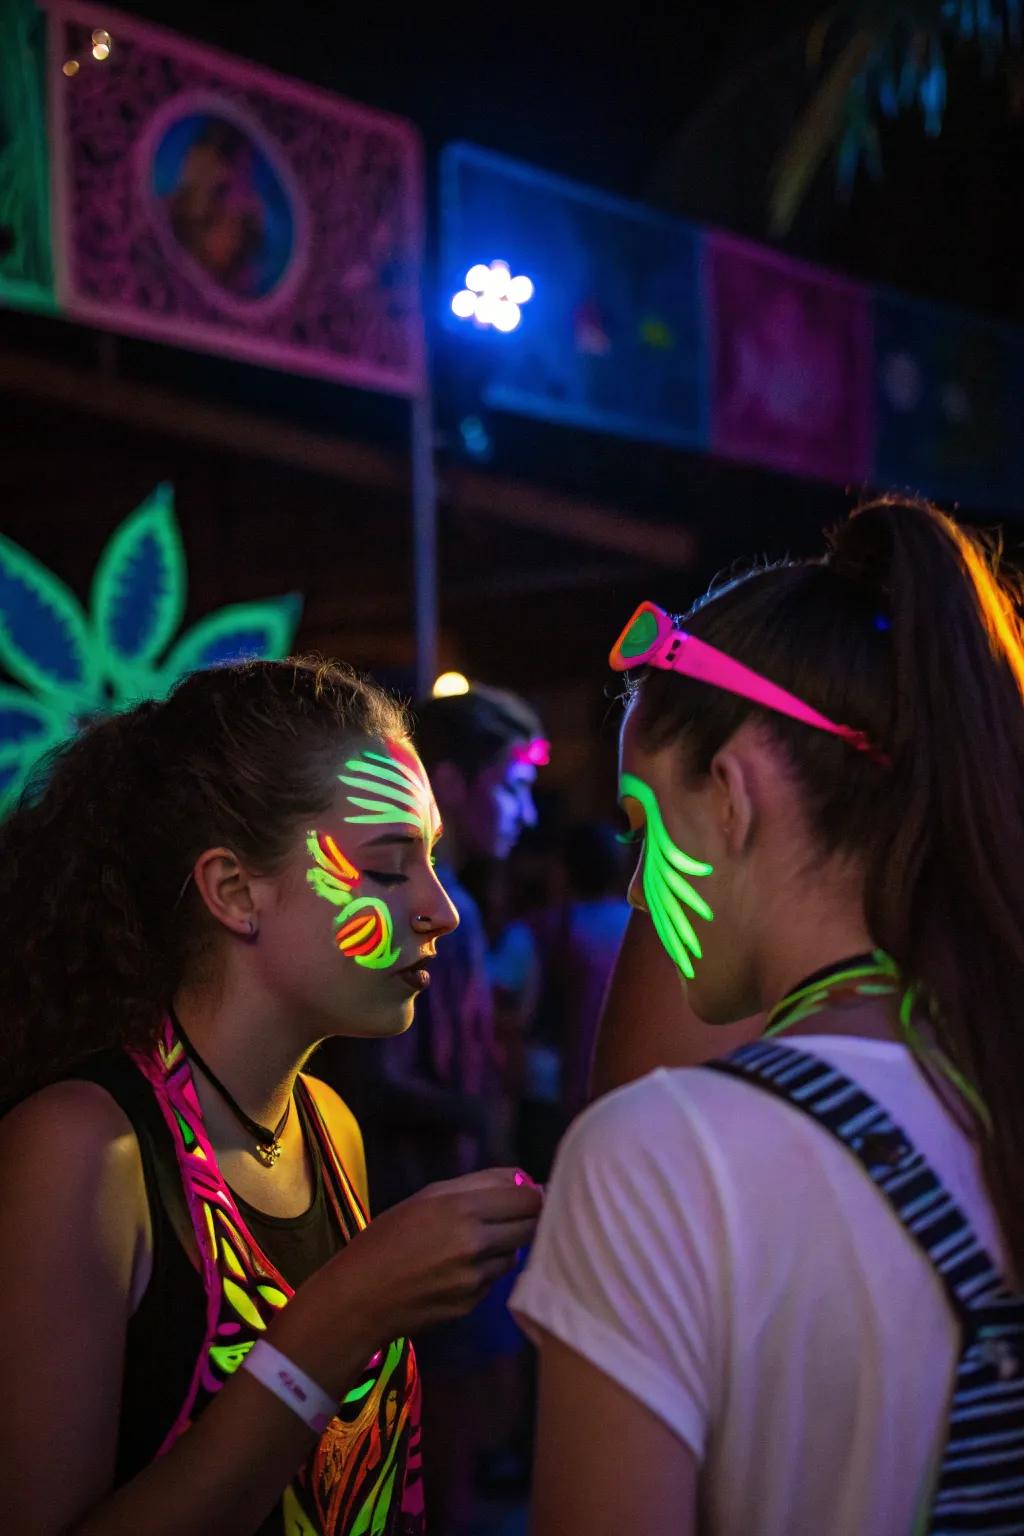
206,202
791,363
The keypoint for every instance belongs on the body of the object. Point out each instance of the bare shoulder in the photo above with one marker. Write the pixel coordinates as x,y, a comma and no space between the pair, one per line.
72,1214
72,1118
344,1129
70,1149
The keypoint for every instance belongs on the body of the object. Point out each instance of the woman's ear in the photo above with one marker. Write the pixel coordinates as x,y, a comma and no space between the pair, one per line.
226,891
733,800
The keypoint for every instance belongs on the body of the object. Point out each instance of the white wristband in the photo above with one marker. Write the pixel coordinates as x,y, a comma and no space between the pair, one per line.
283,1377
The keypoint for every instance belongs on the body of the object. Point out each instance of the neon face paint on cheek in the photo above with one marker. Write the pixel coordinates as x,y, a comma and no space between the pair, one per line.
666,881
363,929
385,789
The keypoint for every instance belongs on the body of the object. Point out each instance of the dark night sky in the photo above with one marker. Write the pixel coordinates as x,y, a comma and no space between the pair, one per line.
596,98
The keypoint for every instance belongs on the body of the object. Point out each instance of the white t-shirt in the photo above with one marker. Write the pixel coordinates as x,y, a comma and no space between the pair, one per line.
729,1263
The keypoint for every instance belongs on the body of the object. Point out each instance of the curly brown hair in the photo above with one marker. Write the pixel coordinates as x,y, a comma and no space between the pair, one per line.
98,927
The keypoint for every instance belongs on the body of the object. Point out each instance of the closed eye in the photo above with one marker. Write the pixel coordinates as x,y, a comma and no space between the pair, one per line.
384,879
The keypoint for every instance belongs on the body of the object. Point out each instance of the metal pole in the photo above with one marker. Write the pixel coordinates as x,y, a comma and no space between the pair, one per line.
424,540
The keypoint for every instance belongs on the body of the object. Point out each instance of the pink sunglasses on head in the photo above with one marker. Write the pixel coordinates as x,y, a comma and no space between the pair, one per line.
650,639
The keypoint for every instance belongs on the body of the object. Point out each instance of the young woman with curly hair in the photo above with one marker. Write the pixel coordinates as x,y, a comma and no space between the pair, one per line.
202,1333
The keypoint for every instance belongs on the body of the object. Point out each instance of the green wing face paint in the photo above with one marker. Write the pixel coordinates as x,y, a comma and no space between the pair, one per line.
667,875
385,789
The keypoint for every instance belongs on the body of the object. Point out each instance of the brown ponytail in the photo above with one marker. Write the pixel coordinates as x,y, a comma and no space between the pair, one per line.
906,630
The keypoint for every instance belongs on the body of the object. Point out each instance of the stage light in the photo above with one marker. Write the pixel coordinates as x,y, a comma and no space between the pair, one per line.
500,279
449,685
506,315
492,297
520,290
70,67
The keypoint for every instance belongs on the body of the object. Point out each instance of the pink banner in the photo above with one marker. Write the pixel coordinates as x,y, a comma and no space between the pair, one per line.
206,202
791,363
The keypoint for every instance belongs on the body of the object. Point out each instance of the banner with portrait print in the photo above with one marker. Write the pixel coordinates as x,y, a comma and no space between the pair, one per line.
207,202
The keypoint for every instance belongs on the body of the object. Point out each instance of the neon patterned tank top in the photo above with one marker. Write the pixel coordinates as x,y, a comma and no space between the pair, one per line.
363,1478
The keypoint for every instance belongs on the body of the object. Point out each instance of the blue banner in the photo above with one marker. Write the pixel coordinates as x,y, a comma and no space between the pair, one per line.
610,332
949,404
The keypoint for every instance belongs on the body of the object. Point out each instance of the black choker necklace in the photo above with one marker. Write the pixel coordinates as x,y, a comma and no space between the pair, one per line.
268,1144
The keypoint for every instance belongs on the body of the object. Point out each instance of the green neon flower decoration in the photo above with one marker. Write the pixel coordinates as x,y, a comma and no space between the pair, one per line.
26,257
73,664
667,875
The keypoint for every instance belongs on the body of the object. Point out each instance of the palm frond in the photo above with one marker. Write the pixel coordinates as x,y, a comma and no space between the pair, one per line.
892,59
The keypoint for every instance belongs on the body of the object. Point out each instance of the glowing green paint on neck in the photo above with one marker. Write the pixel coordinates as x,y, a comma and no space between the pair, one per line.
667,874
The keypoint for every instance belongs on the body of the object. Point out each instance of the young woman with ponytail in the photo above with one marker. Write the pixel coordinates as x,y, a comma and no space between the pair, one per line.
784,1290
201,1332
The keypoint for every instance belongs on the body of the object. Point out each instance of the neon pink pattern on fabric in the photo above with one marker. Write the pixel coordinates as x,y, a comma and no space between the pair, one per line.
365,1473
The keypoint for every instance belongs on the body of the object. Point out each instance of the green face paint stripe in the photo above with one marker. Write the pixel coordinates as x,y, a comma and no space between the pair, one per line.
385,954
676,916
381,818
685,891
400,795
675,856
684,930
329,887
395,808
323,879
317,853
389,774
666,889
393,797
670,941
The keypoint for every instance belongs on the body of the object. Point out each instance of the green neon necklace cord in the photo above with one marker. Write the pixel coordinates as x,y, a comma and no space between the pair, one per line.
806,1000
